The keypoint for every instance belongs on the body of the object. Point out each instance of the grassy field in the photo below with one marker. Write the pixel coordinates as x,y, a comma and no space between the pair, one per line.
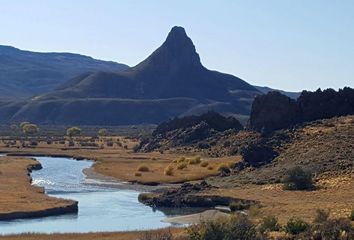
120,162
134,235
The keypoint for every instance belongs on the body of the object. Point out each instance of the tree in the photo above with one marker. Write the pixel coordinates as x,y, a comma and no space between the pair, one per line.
23,124
102,132
73,131
30,129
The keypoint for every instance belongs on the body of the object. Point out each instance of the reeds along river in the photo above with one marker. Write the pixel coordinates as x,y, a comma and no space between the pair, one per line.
101,207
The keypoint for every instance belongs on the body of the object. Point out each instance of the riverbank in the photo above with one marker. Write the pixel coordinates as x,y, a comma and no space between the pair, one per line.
133,235
20,199
120,162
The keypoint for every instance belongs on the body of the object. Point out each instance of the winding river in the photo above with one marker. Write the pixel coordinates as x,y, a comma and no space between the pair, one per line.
102,207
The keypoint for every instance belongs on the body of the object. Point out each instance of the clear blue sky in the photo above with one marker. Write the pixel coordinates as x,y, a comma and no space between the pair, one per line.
286,44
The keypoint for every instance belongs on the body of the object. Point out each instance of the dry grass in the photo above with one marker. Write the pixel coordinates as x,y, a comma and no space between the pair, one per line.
90,236
122,163
337,197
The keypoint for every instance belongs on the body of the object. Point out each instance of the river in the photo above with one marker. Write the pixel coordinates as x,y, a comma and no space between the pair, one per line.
101,206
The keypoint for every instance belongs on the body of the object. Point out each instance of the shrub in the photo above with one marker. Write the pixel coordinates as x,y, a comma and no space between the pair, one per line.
351,217
210,230
109,144
168,170
195,160
30,129
102,132
157,235
143,168
321,216
223,168
73,131
180,160
331,229
238,227
181,166
269,224
297,179
295,226
237,206
231,165
137,174
204,164
210,167
34,143
71,144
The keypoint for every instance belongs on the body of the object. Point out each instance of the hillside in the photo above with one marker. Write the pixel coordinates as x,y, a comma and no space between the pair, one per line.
170,82
25,73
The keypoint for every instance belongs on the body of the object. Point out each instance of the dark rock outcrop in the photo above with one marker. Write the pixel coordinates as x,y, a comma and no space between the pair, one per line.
276,111
189,130
187,196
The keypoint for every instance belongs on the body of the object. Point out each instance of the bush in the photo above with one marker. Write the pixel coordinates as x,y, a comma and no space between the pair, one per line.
204,164
351,217
195,160
238,227
143,168
30,129
208,230
321,216
237,206
181,166
269,224
137,174
168,170
210,167
331,229
157,235
295,226
297,179
223,168
73,131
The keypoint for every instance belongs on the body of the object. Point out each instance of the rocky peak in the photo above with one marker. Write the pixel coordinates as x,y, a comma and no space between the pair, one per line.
176,53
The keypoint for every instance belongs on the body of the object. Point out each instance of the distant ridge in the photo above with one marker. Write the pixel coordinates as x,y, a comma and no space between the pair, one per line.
26,73
170,82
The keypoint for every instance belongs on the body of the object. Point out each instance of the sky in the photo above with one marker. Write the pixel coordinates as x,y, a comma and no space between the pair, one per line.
284,44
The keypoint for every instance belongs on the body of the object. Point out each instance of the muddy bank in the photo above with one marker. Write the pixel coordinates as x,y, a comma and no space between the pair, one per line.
71,208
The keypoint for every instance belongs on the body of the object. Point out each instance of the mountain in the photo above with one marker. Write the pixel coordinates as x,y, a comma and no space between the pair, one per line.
265,90
170,82
25,73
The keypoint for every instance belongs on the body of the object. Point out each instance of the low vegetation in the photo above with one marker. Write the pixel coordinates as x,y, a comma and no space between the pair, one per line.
298,179
73,131
295,226
269,224
168,170
143,168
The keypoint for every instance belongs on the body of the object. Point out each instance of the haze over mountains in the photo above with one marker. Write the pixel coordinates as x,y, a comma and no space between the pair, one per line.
170,82
25,73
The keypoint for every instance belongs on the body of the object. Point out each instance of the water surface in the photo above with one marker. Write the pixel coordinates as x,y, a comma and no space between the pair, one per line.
101,208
